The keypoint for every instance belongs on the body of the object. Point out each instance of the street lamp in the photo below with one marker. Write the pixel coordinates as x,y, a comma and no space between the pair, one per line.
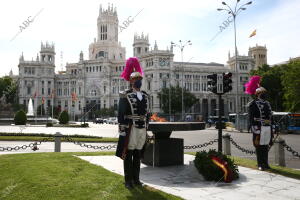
181,45
234,12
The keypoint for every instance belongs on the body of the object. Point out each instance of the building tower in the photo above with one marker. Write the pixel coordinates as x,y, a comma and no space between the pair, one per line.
107,24
140,45
107,46
47,53
259,54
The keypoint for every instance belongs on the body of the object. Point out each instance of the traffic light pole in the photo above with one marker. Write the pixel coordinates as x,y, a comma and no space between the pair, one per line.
219,125
214,88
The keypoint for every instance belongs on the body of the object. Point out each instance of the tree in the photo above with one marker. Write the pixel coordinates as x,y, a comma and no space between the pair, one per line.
20,118
272,81
106,112
41,110
9,88
56,111
291,82
176,96
63,117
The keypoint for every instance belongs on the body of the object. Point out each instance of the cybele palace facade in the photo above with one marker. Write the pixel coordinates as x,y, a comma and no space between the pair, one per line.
96,81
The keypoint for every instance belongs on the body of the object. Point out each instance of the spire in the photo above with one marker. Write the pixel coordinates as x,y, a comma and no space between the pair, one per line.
155,46
228,54
81,56
37,58
11,73
22,57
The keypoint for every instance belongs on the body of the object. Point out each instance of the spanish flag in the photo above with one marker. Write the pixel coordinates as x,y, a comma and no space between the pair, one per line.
224,167
253,33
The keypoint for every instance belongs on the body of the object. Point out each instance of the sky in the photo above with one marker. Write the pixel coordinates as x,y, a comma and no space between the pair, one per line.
72,26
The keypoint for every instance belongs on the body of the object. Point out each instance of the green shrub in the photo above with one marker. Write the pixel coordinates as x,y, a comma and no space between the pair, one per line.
63,117
49,124
20,118
209,170
84,125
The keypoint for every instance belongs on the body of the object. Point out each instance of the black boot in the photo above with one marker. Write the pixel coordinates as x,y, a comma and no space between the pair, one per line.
128,170
259,155
136,167
265,157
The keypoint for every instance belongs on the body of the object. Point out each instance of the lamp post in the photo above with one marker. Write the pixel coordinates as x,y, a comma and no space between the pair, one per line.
181,45
234,12
170,79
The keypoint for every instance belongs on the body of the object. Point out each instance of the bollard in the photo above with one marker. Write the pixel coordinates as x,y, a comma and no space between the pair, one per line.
57,142
279,152
226,144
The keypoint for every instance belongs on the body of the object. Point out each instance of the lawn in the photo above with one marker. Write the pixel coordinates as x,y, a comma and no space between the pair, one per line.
62,176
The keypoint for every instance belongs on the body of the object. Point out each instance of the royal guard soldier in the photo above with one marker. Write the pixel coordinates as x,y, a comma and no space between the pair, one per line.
133,119
260,118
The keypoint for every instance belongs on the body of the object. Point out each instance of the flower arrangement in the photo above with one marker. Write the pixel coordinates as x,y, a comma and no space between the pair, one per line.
215,166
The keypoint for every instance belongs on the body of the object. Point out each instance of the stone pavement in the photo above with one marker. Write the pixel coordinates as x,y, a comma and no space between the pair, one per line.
184,181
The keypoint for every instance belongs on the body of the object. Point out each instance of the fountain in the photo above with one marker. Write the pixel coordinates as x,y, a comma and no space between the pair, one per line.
30,109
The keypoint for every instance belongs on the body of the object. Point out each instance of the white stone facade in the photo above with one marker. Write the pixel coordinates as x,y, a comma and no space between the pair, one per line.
97,81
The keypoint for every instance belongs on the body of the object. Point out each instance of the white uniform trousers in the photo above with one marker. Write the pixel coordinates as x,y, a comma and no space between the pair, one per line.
265,135
137,138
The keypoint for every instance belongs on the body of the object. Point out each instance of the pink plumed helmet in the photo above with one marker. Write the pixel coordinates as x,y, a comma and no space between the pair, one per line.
252,85
132,69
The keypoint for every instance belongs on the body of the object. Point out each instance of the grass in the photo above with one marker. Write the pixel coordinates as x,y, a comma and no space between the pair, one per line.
58,176
38,138
284,171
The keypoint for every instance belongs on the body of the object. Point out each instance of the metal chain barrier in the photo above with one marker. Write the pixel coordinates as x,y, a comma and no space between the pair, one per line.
205,144
289,149
108,147
31,145
241,148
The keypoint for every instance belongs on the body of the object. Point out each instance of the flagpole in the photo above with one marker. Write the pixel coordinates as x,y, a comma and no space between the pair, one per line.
52,102
36,105
42,107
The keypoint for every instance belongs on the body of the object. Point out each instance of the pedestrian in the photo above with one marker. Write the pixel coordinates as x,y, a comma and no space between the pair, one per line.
209,122
260,115
133,119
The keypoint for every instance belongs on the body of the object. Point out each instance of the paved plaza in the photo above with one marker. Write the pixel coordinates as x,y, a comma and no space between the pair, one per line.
103,130
185,181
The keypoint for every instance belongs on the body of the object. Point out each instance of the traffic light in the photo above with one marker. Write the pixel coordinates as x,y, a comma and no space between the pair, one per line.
227,82
212,83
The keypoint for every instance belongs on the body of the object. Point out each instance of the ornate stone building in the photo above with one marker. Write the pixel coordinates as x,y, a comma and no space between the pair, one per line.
96,82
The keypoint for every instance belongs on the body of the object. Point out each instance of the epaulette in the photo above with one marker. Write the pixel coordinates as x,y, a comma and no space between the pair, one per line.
252,102
123,94
144,92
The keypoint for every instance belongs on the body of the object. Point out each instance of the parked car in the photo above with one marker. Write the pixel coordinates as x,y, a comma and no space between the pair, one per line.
112,120
99,121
